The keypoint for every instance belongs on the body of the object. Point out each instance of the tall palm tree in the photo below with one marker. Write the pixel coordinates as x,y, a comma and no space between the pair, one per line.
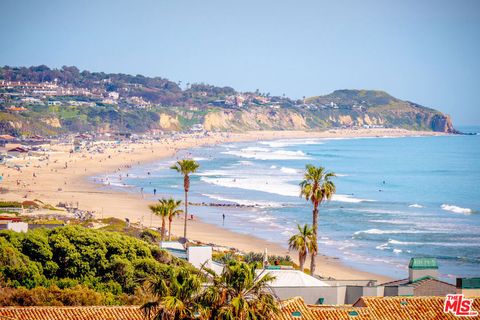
240,293
303,242
160,210
172,210
186,167
316,187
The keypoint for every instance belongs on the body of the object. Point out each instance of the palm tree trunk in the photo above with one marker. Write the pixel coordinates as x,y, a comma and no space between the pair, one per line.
315,237
186,215
163,228
301,258
170,218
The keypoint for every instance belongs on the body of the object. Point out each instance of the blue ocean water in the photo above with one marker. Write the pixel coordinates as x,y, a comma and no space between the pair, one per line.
396,197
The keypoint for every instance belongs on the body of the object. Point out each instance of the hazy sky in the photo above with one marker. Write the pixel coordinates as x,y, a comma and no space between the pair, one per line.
424,51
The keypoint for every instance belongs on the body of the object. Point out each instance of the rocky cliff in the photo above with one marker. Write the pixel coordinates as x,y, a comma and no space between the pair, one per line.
342,108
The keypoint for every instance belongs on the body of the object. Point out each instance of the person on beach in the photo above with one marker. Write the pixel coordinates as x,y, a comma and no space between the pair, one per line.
223,219
154,191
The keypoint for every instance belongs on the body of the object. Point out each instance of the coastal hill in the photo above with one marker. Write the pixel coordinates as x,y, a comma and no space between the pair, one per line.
45,101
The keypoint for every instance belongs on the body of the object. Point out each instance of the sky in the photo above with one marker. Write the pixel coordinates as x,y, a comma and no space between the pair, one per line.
425,51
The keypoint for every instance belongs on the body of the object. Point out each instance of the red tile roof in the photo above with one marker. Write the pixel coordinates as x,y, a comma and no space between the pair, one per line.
367,308
72,313
400,308
372,308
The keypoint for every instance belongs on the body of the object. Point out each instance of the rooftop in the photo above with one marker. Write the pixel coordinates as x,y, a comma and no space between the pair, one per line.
72,313
468,283
386,308
423,263
292,278
415,283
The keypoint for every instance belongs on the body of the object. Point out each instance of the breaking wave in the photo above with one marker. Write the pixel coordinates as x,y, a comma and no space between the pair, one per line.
452,208
415,205
267,154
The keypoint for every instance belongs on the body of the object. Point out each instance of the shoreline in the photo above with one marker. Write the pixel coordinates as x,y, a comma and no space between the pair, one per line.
72,175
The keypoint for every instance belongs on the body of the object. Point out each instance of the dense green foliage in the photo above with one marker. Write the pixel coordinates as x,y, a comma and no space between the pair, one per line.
154,89
106,262
255,258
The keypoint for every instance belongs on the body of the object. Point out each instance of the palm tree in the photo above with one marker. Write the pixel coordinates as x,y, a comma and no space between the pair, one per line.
176,292
316,187
240,293
160,210
186,167
172,210
303,242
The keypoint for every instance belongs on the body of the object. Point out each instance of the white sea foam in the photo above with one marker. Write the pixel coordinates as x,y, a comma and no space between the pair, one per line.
393,241
437,244
379,231
245,163
209,173
263,219
383,246
289,170
271,185
381,211
392,221
257,183
200,159
415,205
348,198
117,184
267,154
452,208
341,175
290,142
246,202
397,251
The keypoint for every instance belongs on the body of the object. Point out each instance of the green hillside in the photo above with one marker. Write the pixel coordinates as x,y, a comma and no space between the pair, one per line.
40,100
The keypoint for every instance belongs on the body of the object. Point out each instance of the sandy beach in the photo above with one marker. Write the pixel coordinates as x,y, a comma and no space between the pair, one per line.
61,176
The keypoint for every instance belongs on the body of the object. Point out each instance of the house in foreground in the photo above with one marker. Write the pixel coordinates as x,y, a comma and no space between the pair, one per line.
198,256
422,280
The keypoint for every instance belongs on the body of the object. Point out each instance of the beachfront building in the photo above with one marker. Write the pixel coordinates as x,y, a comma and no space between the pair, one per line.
198,256
469,287
291,283
422,280
16,226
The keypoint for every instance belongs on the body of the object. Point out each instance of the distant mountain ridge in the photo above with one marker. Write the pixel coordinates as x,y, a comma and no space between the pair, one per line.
40,100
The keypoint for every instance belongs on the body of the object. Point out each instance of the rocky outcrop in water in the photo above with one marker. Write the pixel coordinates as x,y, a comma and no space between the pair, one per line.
442,123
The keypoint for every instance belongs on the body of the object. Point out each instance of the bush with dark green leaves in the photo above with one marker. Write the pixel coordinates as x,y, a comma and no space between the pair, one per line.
72,256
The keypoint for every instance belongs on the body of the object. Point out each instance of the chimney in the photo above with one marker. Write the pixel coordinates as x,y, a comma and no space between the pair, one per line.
420,268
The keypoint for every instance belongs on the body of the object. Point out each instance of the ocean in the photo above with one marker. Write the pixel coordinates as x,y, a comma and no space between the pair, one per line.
396,198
